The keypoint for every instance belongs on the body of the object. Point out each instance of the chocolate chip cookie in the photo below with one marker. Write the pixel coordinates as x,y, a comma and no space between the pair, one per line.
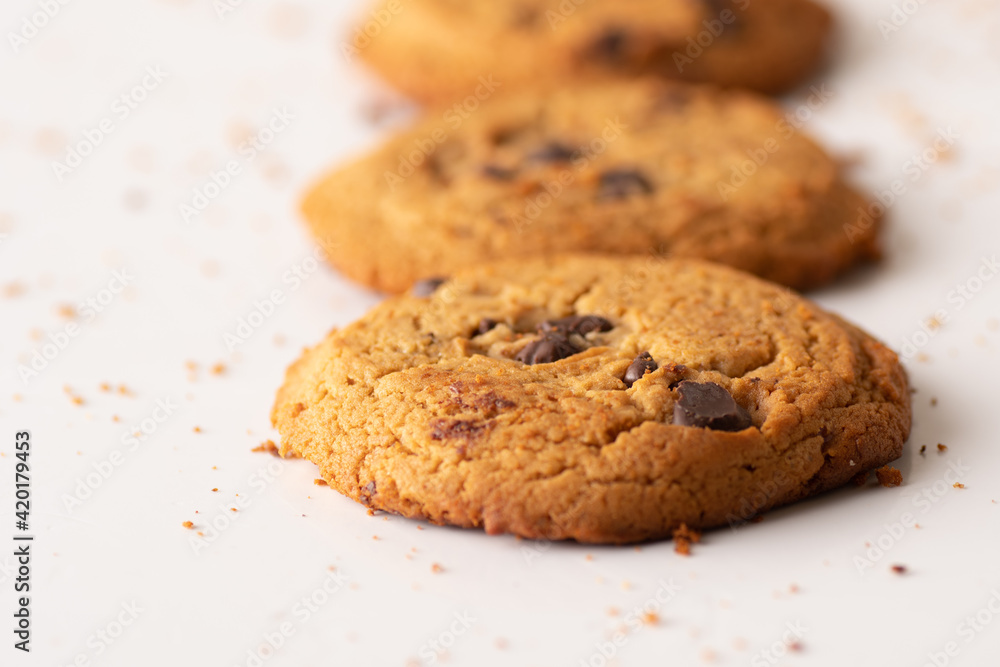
646,167
595,398
439,49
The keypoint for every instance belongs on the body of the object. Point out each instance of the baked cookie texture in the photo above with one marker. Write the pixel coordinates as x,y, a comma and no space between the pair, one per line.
646,167
518,397
437,50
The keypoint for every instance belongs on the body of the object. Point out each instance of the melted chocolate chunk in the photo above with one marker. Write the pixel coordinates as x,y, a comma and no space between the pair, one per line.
551,152
547,349
640,366
427,286
486,325
498,173
708,405
622,183
578,324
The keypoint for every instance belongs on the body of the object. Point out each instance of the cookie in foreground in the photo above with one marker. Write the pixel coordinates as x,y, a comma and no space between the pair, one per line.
626,168
439,49
601,399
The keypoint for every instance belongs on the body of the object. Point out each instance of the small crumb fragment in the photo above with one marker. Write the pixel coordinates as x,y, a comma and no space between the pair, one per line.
923,449
66,311
267,447
215,490
898,569
889,476
684,537
197,429
234,509
958,485
436,569
319,482
188,524
218,369
933,402
650,618
942,448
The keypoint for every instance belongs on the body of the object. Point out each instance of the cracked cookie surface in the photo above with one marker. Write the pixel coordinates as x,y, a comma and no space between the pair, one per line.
438,49
628,168
427,408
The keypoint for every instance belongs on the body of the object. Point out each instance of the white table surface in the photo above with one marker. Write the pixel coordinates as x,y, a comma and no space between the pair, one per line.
121,555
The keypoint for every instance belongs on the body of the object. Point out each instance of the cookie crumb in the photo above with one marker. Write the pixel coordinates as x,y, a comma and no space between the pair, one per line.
436,569
215,490
898,569
923,449
933,402
218,369
889,476
267,447
958,485
188,524
684,537
197,429
942,448
650,618
319,482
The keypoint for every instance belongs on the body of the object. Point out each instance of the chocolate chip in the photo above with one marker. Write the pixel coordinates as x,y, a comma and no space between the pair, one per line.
640,366
708,405
550,347
622,183
609,46
578,324
498,173
551,152
427,286
368,492
486,325
449,429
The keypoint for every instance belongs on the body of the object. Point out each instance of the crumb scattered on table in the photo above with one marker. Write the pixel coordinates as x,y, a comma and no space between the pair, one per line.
889,476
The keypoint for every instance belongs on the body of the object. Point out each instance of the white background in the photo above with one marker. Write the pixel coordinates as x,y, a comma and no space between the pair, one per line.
531,604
